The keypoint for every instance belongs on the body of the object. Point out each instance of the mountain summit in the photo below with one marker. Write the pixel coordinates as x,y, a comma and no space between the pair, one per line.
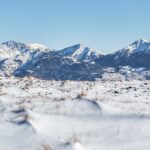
79,52
139,46
15,54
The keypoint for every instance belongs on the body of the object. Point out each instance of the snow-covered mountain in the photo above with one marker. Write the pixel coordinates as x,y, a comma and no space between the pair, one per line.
76,62
139,46
23,47
135,55
72,63
79,52
15,54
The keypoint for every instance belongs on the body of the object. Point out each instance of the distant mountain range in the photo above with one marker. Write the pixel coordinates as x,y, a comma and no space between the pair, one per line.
76,62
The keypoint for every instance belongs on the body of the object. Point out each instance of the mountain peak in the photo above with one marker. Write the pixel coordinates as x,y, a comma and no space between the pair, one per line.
139,42
14,45
79,52
77,46
10,42
23,46
140,45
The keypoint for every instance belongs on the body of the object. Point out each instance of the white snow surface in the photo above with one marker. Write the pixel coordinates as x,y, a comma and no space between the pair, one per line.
70,115
38,46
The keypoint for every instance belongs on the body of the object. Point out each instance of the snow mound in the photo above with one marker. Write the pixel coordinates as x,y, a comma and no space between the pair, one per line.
77,107
84,107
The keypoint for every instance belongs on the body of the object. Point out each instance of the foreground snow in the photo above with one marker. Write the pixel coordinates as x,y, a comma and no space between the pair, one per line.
50,115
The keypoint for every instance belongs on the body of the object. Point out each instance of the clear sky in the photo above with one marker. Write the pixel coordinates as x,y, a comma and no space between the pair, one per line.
105,25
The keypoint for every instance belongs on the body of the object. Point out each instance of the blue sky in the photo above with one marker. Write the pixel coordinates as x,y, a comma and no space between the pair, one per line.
105,25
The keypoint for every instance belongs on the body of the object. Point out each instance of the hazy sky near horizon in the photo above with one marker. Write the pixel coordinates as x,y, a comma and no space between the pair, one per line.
105,25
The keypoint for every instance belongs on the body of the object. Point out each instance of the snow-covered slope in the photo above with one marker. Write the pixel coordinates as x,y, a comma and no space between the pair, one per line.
79,52
56,115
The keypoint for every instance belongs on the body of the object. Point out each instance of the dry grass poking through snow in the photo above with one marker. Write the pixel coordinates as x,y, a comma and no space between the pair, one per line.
101,113
46,147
